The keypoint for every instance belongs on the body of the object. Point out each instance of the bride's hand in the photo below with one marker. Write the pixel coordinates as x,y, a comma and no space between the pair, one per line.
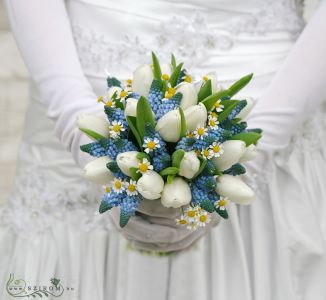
154,228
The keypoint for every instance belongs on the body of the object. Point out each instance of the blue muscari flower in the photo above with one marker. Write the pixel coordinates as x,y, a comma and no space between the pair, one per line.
213,197
219,135
205,182
168,105
116,146
94,149
155,95
237,109
116,114
186,144
127,208
112,199
202,144
198,195
161,160
134,95
238,128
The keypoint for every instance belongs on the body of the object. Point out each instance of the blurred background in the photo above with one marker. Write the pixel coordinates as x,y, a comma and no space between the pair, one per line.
13,103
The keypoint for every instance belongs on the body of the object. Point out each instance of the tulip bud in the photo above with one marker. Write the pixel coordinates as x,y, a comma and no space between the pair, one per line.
169,126
189,165
150,185
131,107
233,151
176,194
250,154
127,160
195,116
247,109
235,189
97,172
112,90
189,94
94,123
142,80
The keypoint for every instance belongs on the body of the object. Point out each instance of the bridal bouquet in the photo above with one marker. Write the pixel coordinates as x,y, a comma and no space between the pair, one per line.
163,138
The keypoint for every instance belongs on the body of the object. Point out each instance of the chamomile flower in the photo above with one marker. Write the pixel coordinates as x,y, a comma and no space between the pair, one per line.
128,83
123,95
203,218
207,153
116,128
131,187
100,99
192,225
218,107
182,220
221,203
165,77
144,166
110,103
187,78
107,189
191,213
169,93
213,122
217,149
151,144
117,185
200,132
189,134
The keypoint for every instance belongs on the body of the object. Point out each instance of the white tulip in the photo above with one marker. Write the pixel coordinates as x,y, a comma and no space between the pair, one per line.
247,109
131,107
176,194
169,126
142,79
127,160
112,90
189,165
195,116
97,172
94,123
235,189
250,154
150,185
233,151
212,76
189,94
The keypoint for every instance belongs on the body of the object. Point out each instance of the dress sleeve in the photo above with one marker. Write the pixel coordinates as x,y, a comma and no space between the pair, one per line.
295,92
43,34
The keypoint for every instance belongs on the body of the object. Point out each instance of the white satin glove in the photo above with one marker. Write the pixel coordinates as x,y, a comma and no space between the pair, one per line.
43,34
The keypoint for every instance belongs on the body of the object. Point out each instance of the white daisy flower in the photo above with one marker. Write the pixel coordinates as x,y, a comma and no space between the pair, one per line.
123,95
187,78
169,93
116,128
151,145
207,153
191,213
218,107
144,166
128,84
200,132
182,220
117,185
213,122
131,188
203,219
221,203
217,149
110,103
192,225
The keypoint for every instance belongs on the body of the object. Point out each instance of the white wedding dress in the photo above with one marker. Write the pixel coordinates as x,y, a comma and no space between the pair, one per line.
273,250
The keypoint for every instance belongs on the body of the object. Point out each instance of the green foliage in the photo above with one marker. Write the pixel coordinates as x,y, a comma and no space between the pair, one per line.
183,127
144,115
92,134
175,75
156,66
177,156
169,171
134,174
248,137
205,90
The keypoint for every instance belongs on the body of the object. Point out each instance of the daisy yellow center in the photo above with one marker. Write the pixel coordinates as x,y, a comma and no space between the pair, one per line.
109,103
165,77
216,148
213,114
100,99
107,189
203,218
170,93
116,128
212,123
188,79
123,94
217,104
206,153
131,188
129,81
151,145
191,214
143,167
118,185
200,131
205,78
182,222
222,203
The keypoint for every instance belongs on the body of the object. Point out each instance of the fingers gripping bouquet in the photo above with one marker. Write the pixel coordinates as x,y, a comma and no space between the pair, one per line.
165,139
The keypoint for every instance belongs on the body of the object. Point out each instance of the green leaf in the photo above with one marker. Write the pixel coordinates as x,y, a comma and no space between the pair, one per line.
210,100
156,65
207,205
173,62
175,75
177,156
224,114
183,127
248,137
124,218
170,178
104,206
134,174
142,155
92,134
223,213
113,166
133,126
144,115
203,162
240,84
205,90
169,171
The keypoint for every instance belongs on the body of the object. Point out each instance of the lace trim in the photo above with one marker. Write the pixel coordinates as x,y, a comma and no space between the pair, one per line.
191,39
